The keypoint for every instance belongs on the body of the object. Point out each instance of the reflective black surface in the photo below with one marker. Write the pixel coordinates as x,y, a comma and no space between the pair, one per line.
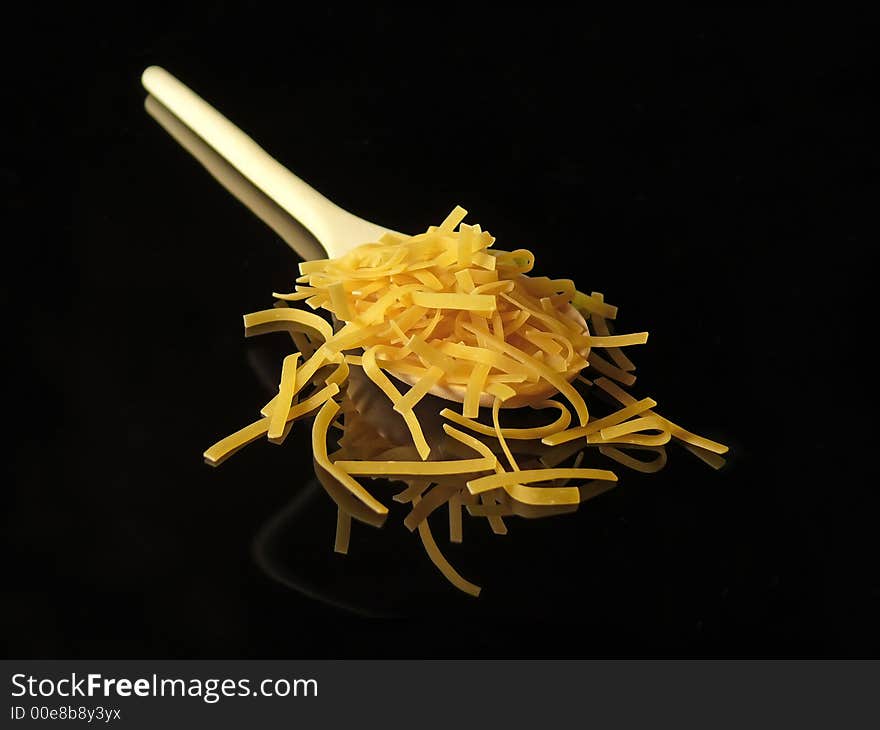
712,176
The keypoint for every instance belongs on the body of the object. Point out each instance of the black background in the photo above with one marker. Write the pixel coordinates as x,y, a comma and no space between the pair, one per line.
716,176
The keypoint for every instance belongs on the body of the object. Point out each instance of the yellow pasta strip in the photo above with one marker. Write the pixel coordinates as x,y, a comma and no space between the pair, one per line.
420,468
677,431
484,261
352,335
475,386
317,301
452,220
338,376
542,340
646,467
496,405
403,368
486,239
593,426
501,391
301,293
483,356
227,446
593,305
470,441
479,320
492,287
529,434
454,506
493,516
498,325
419,390
343,531
543,495
309,404
428,279
646,423
362,292
400,334
428,331
634,439
521,260
439,495
469,302
466,241
314,400
278,420
415,488
483,276
232,443
288,427
519,319
308,369
464,280
285,317
494,481
610,371
442,564
431,355
619,357
376,312
339,300
379,378
307,267
637,338
319,447
375,374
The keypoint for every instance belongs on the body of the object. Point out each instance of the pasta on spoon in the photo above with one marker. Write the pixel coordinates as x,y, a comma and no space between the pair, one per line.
447,313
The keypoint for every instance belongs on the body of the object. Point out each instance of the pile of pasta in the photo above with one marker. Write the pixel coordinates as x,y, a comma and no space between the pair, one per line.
444,312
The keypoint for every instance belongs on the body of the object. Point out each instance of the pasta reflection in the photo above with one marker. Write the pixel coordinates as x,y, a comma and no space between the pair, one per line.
370,431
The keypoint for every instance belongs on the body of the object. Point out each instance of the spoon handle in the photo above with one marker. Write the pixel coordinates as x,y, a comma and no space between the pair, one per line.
336,229
290,231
